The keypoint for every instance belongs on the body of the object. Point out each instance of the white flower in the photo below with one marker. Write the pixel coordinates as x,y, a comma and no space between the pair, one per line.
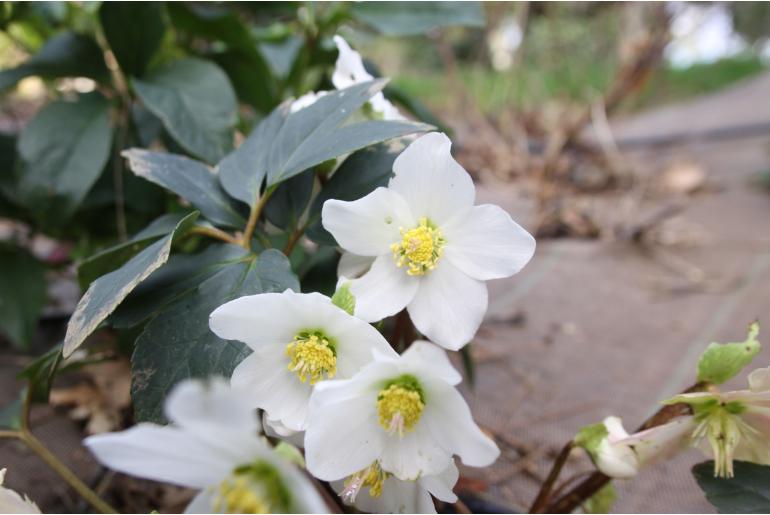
306,100
432,249
400,412
733,425
12,502
375,491
349,70
620,455
213,446
298,339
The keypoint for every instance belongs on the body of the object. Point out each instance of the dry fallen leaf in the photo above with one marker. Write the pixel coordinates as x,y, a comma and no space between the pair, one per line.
100,398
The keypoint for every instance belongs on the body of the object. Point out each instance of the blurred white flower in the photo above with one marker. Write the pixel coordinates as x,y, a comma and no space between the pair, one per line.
305,100
375,491
12,502
213,446
733,425
400,413
430,248
349,70
298,340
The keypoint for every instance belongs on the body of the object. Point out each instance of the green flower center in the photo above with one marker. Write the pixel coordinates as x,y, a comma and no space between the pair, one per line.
255,488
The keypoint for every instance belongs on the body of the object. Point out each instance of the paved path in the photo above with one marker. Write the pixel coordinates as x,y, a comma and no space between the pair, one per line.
608,329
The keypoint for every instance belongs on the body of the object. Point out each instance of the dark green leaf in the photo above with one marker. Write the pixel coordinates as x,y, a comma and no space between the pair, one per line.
178,344
316,133
357,176
10,414
148,126
63,151
251,77
242,171
114,257
22,294
210,21
65,55
104,294
289,201
134,32
196,103
41,372
180,275
747,492
469,365
190,179
281,55
412,18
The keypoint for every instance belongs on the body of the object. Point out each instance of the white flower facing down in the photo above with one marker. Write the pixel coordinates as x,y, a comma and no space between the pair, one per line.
213,446
401,413
349,70
375,491
732,425
12,502
430,248
298,340
620,455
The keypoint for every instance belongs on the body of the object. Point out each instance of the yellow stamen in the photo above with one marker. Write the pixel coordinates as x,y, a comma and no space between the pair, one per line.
372,476
420,248
253,488
236,496
399,408
312,356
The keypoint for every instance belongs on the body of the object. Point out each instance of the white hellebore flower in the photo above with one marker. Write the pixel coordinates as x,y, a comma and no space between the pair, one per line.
620,455
376,491
12,502
431,248
349,70
298,340
213,446
733,425
306,100
401,414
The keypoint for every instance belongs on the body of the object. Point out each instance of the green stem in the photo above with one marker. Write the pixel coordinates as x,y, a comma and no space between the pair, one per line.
251,225
294,238
217,234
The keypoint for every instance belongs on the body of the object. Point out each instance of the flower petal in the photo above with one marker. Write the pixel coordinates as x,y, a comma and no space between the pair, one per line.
660,442
343,434
273,387
370,225
165,454
383,291
202,503
449,306
355,341
397,497
759,380
424,357
433,184
352,266
616,460
442,485
414,455
451,424
196,403
349,68
486,243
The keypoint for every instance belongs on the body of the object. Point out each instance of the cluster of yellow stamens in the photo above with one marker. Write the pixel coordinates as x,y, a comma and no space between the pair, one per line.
400,405
312,356
255,488
420,248
372,476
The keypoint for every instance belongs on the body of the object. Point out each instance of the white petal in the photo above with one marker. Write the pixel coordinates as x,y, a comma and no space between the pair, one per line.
416,454
759,380
203,502
349,68
616,460
442,485
273,387
370,225
486,243
449,306
383,106
432,182
615,428
352,266
383,291
425,356
356,340
12,502
660,442
397,497
343,434
165,454
306,100
451,423
194,403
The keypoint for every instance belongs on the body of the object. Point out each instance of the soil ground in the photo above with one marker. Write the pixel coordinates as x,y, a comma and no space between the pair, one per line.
590,328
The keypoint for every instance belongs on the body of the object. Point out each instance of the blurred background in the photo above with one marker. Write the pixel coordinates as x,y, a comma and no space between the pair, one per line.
633,139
